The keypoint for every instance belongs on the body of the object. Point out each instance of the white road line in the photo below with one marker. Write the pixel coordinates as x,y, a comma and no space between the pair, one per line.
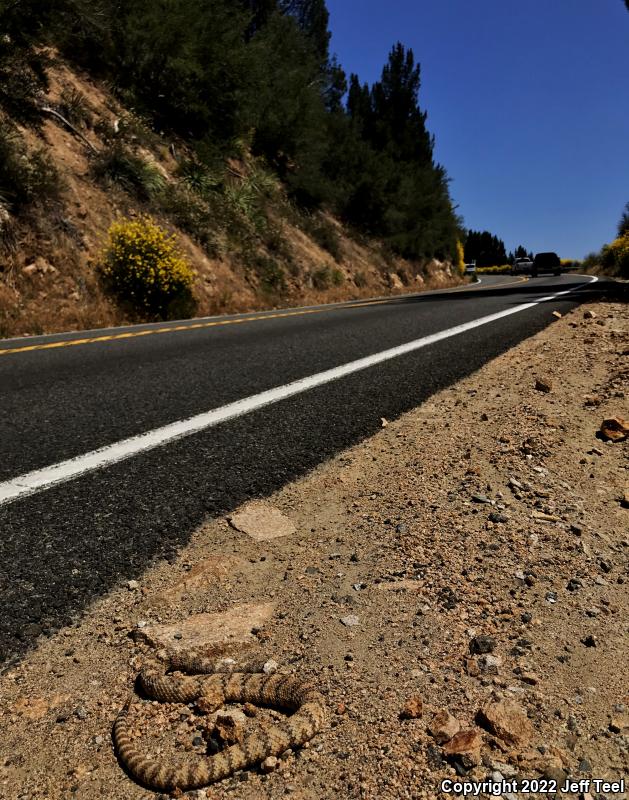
41,479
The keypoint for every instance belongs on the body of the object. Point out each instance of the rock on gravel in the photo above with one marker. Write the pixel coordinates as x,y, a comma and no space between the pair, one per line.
444,726
615,429
507,721
543,385
464,747
413,708
482,644
202,632
262,521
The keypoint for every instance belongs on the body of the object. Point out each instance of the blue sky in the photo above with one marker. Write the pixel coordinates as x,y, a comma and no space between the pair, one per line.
528,102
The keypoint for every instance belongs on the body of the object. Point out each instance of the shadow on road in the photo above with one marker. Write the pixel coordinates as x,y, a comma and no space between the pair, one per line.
65,547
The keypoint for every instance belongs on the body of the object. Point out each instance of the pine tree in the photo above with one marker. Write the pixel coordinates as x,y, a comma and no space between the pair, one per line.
623,224
313,18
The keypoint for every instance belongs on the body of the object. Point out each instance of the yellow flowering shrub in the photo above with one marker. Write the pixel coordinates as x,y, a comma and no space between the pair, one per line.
615,256
142,266
460,258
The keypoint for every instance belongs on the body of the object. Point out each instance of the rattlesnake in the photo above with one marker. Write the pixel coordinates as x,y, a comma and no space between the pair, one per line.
218,684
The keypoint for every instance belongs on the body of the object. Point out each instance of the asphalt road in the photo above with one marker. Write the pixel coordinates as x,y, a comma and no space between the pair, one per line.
66,395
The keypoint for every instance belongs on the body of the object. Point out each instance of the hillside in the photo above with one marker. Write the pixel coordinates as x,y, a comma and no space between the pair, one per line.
271,253
233,128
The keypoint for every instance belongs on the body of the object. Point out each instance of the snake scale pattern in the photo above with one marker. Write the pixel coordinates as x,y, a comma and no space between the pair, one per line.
215,685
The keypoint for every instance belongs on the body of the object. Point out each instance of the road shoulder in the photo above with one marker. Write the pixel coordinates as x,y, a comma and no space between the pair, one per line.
471,557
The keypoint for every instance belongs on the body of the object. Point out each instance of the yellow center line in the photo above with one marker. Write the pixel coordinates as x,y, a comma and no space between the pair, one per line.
198,325
175,328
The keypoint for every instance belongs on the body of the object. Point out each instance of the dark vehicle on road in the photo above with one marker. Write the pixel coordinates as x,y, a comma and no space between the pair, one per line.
546,262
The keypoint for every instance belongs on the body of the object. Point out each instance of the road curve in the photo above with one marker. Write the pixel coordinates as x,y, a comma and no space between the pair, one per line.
68,395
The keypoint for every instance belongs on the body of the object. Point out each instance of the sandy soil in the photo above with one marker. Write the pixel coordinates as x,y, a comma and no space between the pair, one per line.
490,519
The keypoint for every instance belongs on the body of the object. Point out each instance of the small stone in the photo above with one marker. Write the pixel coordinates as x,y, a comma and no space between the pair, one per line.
553,773
464,748
480,498
587,314
557,314
482,644
526,617
529,677
133,586
576,529
98,740
198,741
543,385
230,726
498,518
589,641
350,621
472,668
413,708
620,723
270,667
574,584
80,712
490,664
401,528
270,764
444,726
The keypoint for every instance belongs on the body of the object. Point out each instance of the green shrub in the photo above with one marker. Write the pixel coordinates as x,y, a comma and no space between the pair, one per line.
321,278
244,200
74,107
360,279
192,214
324,234
22,81
142,266
337,277
199,178
118,165
26,177
272,275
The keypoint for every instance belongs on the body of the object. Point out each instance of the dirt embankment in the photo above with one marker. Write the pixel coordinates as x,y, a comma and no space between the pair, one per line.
250,252
466,568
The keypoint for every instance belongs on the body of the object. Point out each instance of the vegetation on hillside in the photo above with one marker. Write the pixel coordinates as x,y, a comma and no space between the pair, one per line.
613,258
255,76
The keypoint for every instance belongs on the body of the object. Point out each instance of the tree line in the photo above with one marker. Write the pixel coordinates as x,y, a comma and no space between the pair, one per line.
219,72
487,250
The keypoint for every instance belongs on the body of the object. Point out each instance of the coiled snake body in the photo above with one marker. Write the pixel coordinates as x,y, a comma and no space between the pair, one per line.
214,686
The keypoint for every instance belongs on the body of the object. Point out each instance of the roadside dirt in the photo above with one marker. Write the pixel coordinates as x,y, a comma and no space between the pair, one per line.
472,555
